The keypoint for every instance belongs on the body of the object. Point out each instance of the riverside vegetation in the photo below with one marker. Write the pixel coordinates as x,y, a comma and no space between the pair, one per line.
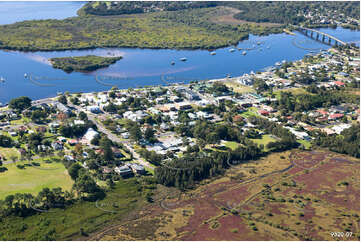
169,25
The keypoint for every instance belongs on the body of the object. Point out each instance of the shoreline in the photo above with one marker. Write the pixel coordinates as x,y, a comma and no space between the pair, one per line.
161,85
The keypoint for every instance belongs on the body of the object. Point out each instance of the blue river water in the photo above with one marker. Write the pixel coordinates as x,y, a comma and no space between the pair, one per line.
139,67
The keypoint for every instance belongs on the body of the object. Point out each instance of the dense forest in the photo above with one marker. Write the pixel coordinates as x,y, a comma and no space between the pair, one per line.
152,30
83,63
196,166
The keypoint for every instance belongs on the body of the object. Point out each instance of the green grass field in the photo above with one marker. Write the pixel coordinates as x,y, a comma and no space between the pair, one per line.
307,144
238,87
252,111
266,138
64,224
33,179
294,91
231,144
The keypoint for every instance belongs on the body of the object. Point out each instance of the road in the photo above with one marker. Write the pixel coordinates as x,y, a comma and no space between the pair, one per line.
115,138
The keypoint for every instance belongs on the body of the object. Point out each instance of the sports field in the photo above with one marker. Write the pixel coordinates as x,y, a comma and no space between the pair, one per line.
32,179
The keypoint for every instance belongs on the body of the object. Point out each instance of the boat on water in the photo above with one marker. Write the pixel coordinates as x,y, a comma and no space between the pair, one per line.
172,63
239,48
25,75
213,53
2,79
232,50
277,64
258,43
244,53
228,75
183,59
268,47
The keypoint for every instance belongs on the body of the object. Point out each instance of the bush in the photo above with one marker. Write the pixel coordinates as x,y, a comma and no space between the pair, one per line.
20,166
3,169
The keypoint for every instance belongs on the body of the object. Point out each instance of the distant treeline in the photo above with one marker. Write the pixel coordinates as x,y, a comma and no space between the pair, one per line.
263,11
127,7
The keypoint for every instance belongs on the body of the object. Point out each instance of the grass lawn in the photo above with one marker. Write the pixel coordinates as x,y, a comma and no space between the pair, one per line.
306,143
266,138
252,111
231,144
9,152
64,224
294,91
33,179
238,87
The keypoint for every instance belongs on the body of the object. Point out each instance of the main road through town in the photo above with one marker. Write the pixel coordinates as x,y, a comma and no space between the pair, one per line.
114,137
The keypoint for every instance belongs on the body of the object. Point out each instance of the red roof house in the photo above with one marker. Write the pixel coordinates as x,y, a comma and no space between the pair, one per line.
339,83
263,112
335,116
323,112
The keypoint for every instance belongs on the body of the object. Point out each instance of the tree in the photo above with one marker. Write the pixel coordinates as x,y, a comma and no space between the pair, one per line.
62,99
85,184
106,145
149,135
5,141
38,115
20,103
74,171
78,149
135,133
83,116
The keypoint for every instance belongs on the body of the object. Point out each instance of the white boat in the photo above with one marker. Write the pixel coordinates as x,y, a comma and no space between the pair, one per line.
2,79
25,75
277,64
244,53
232,50
268,47
183,59
213,53
172,63
258,43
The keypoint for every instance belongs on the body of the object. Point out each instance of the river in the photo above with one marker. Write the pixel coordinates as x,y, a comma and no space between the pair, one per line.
139,67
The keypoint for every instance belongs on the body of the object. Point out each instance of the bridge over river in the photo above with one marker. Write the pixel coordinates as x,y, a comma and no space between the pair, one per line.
311,32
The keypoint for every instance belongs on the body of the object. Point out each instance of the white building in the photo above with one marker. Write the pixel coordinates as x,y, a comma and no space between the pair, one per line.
90,134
